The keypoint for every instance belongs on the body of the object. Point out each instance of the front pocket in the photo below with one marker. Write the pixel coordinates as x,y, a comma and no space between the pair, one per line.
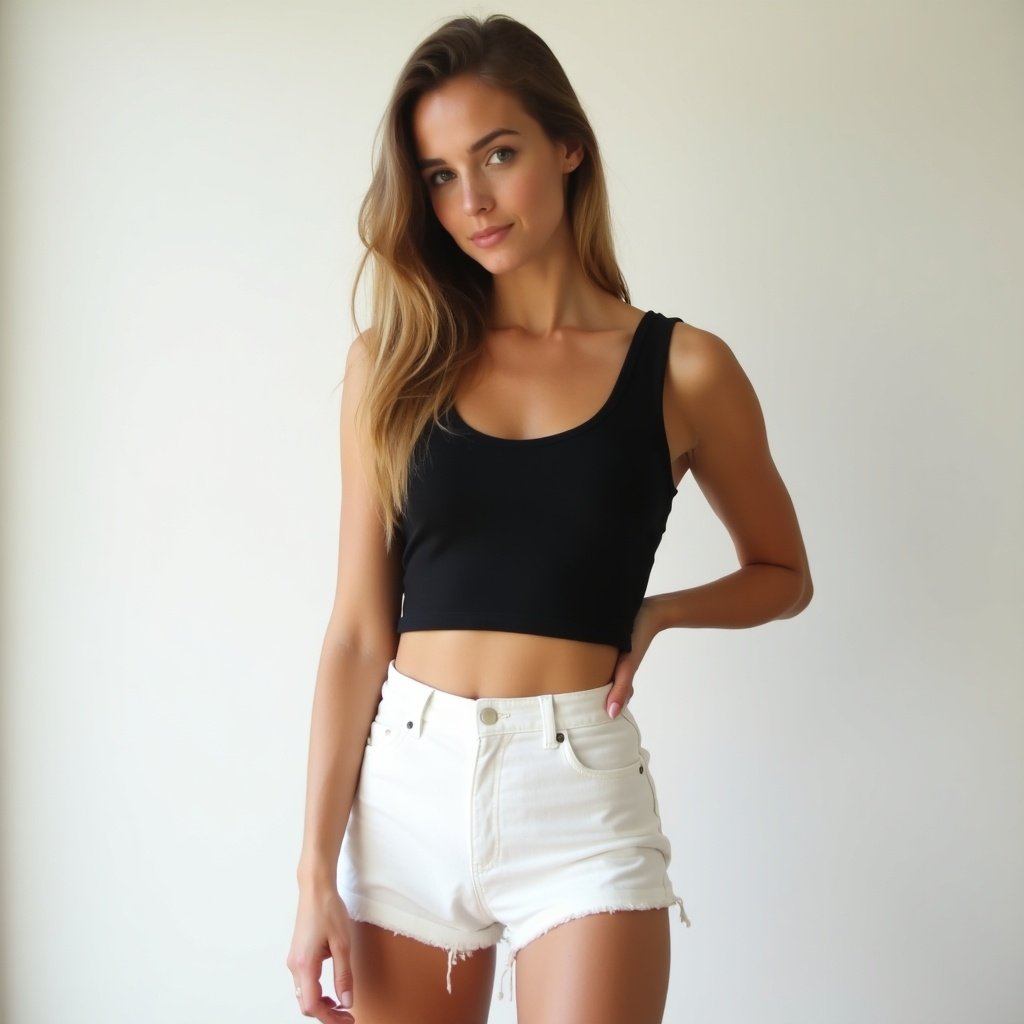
387,730
605,751
379,734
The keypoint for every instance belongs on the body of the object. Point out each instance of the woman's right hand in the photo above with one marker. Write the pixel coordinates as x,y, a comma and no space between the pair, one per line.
321,931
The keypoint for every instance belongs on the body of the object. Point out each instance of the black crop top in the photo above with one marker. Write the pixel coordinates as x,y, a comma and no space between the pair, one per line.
550,535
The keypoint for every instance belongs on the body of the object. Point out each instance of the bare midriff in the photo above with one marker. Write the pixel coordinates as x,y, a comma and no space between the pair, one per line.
485,663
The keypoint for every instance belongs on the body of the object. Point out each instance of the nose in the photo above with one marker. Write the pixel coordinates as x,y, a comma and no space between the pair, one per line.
474,199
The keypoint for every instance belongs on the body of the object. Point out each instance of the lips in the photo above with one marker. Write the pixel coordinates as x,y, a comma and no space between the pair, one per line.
491,236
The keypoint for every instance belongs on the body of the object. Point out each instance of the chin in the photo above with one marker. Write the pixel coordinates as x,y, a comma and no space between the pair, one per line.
500,259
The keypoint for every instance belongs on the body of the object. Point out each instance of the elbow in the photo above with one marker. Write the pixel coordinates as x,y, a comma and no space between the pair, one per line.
799,591
806,593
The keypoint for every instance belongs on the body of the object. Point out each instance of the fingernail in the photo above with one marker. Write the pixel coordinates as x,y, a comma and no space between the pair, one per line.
346,1000
613,709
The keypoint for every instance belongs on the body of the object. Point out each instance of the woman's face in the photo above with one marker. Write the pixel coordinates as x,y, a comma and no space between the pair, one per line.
512,179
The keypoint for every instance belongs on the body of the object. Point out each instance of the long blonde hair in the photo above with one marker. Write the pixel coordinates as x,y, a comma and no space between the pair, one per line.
430,301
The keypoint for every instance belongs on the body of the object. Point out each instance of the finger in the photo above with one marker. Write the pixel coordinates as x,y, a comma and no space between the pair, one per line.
308,993
329,1012
325,1009
342,973
618,695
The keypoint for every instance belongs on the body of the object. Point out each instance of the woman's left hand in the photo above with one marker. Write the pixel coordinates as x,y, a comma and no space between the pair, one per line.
644,631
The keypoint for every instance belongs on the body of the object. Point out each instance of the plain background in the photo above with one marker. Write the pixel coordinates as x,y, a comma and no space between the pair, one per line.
833,188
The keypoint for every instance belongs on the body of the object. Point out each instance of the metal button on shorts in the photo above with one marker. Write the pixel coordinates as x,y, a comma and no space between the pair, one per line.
488,716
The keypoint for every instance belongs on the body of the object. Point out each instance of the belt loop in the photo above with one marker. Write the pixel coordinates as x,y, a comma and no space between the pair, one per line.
547,717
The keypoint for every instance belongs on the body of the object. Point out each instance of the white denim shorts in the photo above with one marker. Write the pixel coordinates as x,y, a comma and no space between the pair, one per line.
476,820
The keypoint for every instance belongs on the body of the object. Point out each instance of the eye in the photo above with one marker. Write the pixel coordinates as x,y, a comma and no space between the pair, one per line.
432,179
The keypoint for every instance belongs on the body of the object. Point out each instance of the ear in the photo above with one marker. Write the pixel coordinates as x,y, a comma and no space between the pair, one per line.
574,156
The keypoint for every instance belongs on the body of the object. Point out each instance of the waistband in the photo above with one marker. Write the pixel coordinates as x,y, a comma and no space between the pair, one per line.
417,702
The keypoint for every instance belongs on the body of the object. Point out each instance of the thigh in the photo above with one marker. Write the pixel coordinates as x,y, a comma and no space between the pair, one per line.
599,969
396,980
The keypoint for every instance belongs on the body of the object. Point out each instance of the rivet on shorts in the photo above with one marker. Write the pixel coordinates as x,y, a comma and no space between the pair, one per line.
387,732
408,725
641,769
559,736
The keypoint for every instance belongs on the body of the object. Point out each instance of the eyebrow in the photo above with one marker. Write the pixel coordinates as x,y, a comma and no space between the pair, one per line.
479,144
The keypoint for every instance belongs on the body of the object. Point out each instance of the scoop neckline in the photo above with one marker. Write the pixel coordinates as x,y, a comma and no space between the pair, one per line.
609,403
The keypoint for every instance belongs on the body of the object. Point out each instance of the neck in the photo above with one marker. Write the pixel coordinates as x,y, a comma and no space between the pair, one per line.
549,293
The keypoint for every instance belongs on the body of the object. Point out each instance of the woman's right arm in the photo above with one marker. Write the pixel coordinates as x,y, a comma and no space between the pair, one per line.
359,642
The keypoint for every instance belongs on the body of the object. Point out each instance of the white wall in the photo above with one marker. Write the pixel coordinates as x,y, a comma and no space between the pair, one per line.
834,189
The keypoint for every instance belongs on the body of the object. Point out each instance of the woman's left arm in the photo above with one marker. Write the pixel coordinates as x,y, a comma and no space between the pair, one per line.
711,402
732,464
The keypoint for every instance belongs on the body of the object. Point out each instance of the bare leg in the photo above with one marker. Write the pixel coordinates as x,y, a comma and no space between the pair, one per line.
397,980
599,969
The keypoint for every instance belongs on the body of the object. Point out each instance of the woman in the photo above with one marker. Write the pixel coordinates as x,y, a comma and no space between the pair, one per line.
513,432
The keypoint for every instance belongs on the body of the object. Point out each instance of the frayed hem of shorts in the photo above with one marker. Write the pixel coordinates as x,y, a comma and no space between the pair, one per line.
453,952
609,908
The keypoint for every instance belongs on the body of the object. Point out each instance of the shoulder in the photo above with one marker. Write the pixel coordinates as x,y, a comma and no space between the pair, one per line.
698,359
360,349
706,381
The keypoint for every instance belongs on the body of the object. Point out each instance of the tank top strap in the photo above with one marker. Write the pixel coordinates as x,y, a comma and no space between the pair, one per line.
647,385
